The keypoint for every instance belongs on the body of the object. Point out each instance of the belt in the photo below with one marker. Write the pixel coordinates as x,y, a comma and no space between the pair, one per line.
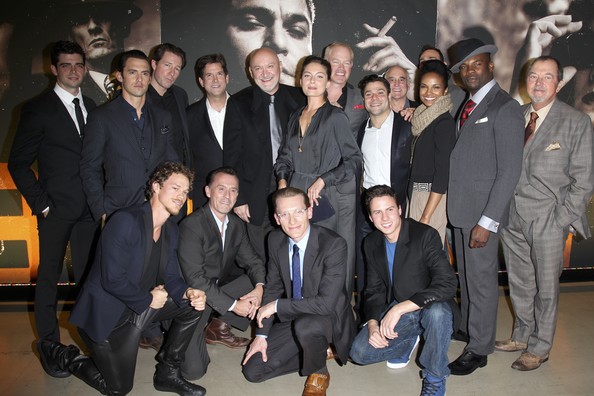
421,187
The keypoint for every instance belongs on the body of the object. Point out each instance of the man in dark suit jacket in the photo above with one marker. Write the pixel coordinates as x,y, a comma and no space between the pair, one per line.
216,256
135,280
125,140
306,305
409,292
382,140
206,119
250,145
485,167
49,132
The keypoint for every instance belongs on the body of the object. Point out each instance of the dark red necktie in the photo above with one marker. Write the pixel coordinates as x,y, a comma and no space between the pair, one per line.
531,127
466,111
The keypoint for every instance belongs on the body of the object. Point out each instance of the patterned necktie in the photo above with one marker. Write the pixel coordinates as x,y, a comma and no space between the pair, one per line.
296,273
468,107
275,130
80,119
531,127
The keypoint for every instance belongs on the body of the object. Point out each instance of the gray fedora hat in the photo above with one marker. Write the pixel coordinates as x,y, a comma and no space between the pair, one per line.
465,49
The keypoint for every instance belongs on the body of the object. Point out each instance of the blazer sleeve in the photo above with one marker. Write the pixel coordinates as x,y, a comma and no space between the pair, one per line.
375,292
91,165
25,148
349,151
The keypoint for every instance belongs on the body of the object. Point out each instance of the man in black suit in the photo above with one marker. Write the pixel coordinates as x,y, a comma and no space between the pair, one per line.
134,281
125,140
409,292
306,294
206,119
251,139
216,256
50,132
382,140
167,62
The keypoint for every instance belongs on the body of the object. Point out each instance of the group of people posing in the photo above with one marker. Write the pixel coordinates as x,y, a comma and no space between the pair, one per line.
301,198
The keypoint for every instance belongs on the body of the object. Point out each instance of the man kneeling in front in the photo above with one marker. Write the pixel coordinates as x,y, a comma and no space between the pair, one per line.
409,293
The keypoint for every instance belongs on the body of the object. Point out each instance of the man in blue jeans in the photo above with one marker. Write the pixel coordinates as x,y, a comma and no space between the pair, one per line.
409,293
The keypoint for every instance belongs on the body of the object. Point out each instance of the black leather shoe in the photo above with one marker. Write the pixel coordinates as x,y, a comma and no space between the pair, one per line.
467,363
151,342
48,355
460,336
169,379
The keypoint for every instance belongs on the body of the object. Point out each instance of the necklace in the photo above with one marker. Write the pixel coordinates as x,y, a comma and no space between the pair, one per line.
300,139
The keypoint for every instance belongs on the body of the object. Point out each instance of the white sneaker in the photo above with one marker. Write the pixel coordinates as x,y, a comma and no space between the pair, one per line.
397,363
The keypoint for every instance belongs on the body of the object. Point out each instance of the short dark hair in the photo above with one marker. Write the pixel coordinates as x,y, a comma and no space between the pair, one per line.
205,60
159,51
319,60
227,170
65,47
433,66
163,172
124,56
372,78
428,47
544,58
379,191
289,192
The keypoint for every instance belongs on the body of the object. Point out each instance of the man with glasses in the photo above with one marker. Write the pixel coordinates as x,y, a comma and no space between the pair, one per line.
305,289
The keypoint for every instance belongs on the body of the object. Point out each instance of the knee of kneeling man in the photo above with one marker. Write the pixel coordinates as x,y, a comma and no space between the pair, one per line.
252,374
439,311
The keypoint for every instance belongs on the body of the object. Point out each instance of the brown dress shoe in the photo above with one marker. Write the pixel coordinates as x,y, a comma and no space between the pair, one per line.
316,385
151,342
219,332
529,361
510,345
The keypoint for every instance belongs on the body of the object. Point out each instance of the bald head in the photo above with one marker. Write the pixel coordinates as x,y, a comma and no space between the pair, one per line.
265,69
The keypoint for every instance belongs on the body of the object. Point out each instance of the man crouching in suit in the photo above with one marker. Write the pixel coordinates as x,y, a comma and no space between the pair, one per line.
216,256
409,292
135,281
306,305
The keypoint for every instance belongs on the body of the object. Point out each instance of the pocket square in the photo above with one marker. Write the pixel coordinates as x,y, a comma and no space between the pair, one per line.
485,119
553,146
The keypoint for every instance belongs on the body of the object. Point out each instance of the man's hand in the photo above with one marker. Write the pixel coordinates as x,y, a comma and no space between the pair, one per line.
244,308
197,298
376,339
407,113
255,299
159,297
313,192
265,312
389,321
243,212
282,183
259,344
478,237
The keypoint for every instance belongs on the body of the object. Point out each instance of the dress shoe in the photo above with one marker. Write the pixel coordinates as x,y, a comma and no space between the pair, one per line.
316,384
219,332
400,363
169,379
467,363
510,345
49,357
529,361
460,336
151,342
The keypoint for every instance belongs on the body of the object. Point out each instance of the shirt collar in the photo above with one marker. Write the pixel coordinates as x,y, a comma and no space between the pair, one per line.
387,124
210,108
302,243
481,93
66,96
219,222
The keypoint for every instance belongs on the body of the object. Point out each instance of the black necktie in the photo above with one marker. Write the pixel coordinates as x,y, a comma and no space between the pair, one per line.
80,119
296,273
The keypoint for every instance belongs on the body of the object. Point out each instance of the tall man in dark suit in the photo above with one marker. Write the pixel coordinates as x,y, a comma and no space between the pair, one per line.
206,120
306,305
167,62
409,292
135,280
125,140
484,169
216,256
382,140
50,132
555,187
251,139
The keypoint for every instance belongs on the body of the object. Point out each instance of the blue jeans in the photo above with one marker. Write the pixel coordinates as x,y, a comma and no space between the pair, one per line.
433,322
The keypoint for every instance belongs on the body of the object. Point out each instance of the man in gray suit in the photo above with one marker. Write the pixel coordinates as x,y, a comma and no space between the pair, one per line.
484,168
555,187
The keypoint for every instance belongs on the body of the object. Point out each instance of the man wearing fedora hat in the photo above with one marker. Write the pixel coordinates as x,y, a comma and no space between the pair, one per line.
485,166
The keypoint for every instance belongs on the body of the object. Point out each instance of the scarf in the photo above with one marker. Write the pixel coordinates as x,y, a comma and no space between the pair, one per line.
423,115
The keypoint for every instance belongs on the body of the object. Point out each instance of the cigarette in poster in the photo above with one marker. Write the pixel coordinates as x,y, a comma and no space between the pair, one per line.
387,26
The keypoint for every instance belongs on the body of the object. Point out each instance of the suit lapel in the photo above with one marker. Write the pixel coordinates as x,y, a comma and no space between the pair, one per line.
479,110
65,116
544,129
401,250
125,125
206,121
381,259
284,264
148,237
311,252
164,259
